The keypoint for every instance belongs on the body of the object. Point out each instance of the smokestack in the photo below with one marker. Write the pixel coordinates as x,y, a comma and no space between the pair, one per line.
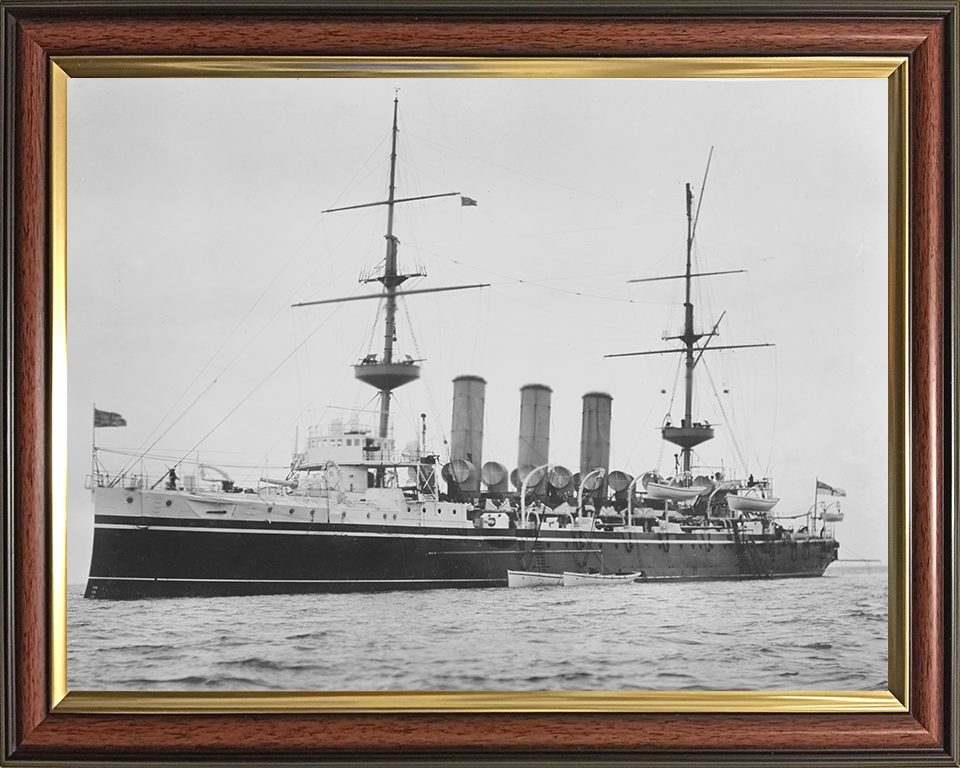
534,427
595,433
466,432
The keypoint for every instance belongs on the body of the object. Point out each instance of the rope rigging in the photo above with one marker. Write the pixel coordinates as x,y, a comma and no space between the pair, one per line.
731,432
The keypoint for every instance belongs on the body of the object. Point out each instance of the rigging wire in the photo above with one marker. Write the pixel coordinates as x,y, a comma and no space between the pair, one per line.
299,416
239,324
373,328
262,382
171,453
776,408
431,399
703,188
413,334
220,349
246,346
676,378
508,280
638,433
537,178
733,437
348,188
327,407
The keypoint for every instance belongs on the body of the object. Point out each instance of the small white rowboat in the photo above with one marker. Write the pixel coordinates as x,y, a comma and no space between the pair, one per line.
534,579
582,579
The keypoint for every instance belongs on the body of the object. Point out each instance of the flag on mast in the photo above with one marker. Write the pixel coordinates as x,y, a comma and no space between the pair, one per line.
822,487
466,201
107,419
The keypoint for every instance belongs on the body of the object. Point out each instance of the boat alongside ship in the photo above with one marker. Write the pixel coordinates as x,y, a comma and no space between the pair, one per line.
355,513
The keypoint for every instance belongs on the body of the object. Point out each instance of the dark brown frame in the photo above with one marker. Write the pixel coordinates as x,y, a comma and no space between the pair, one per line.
925,32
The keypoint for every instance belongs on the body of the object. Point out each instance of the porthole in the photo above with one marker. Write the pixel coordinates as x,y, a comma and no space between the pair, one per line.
454,511
269,510
129,499
384,515
169,502
394,515
368,515
291,510
312,512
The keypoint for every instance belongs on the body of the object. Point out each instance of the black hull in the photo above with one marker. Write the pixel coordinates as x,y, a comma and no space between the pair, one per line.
153,557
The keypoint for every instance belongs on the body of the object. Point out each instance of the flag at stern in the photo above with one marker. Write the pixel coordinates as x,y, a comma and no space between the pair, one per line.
829,490
107,419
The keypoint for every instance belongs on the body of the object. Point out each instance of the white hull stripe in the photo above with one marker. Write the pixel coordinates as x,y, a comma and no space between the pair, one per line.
587,540
290,581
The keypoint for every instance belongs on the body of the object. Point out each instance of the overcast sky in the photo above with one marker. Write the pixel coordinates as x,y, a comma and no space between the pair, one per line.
195,222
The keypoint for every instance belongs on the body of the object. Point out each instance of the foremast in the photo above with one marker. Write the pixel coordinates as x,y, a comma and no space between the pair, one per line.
385,373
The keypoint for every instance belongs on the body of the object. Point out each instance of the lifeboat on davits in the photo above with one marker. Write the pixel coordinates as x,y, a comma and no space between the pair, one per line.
750,503
672,492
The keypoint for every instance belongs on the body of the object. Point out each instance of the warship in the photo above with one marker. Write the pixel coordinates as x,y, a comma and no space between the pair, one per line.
355,512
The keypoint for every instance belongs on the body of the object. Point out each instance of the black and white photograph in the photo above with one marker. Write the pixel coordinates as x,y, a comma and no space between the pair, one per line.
470,384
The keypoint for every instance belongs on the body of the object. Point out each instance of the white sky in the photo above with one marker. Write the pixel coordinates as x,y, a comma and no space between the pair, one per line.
195,221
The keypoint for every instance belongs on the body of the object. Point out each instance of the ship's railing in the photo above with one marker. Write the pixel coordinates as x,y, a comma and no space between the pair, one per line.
128,480
390,457
142,481
337,430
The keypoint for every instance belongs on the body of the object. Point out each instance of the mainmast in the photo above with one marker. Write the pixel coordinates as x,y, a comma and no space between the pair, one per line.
689,337
384,373
689,434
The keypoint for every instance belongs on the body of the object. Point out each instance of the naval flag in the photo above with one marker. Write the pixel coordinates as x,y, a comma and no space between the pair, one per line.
465,201
107,419
829,489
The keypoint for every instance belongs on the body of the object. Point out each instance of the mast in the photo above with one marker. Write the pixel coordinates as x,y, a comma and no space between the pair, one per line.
389,279
689,337
385,374
689,434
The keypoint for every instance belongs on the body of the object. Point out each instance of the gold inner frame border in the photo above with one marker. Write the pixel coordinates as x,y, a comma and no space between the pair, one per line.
895,699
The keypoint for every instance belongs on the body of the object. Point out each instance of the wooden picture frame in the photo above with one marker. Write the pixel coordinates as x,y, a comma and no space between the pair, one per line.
39,728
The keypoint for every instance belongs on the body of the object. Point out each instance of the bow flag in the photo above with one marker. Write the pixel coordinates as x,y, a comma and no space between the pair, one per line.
107,419
829,489
465,201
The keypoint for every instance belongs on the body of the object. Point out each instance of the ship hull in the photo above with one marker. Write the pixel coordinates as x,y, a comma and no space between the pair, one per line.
162,557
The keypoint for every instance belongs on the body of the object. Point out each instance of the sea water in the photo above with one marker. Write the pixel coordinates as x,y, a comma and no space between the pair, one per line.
826,633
